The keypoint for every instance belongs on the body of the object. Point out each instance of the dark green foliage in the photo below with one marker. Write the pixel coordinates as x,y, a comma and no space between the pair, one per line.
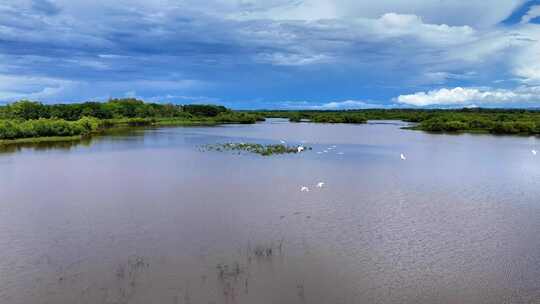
114,108
42,127
127,107
205,110
234,117
497,124
355,118
26,109
295,118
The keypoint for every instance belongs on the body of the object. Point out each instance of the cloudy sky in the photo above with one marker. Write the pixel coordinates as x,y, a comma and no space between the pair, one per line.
324,54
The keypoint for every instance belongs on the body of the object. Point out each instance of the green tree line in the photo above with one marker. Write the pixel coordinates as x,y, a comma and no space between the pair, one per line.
114,108
496,121
29,119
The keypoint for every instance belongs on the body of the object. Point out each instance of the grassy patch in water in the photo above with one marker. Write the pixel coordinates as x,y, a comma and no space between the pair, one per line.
264,150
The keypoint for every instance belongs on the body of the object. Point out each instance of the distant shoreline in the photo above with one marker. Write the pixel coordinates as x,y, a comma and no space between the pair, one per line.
477,120
33,122
112,126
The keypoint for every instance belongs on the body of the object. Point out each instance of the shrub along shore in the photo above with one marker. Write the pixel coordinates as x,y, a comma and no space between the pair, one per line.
28,121
475,120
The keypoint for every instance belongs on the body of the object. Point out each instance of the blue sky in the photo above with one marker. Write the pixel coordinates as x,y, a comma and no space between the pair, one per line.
289,54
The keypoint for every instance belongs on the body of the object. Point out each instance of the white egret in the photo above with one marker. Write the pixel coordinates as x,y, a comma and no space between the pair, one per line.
304,189
300,149
534,152
282,142
320,184
403,156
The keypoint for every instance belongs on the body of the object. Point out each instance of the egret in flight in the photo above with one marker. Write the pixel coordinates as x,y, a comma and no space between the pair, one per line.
320,184
282,142
300,149
534,152
304,189
403,156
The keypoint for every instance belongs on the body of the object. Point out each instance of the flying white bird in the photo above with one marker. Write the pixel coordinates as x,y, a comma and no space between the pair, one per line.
320,184
402,157
300,149
534,152
304,189
282,141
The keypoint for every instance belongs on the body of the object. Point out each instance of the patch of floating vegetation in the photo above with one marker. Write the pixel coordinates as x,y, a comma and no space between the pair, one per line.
264,150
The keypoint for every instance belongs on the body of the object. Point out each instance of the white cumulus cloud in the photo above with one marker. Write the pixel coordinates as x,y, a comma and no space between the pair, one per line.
463,96
284,59
19,87
534,12
348,104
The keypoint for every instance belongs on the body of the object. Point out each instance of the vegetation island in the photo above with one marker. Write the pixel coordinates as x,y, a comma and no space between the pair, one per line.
264,150
31,121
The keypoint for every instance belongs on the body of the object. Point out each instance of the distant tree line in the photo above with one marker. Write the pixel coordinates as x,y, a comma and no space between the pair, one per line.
496,121
30,119
114,108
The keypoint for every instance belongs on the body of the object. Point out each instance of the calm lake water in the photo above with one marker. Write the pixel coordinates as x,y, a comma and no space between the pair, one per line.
147,217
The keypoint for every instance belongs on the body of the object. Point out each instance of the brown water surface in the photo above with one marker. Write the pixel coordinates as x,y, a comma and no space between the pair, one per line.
147,217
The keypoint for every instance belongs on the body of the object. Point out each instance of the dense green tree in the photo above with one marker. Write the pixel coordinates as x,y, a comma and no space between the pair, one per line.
26,109
204,110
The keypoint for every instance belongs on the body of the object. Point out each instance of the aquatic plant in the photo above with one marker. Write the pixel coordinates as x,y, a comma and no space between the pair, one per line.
264,150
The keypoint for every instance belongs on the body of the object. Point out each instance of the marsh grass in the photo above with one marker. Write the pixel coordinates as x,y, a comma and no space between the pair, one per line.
37,140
